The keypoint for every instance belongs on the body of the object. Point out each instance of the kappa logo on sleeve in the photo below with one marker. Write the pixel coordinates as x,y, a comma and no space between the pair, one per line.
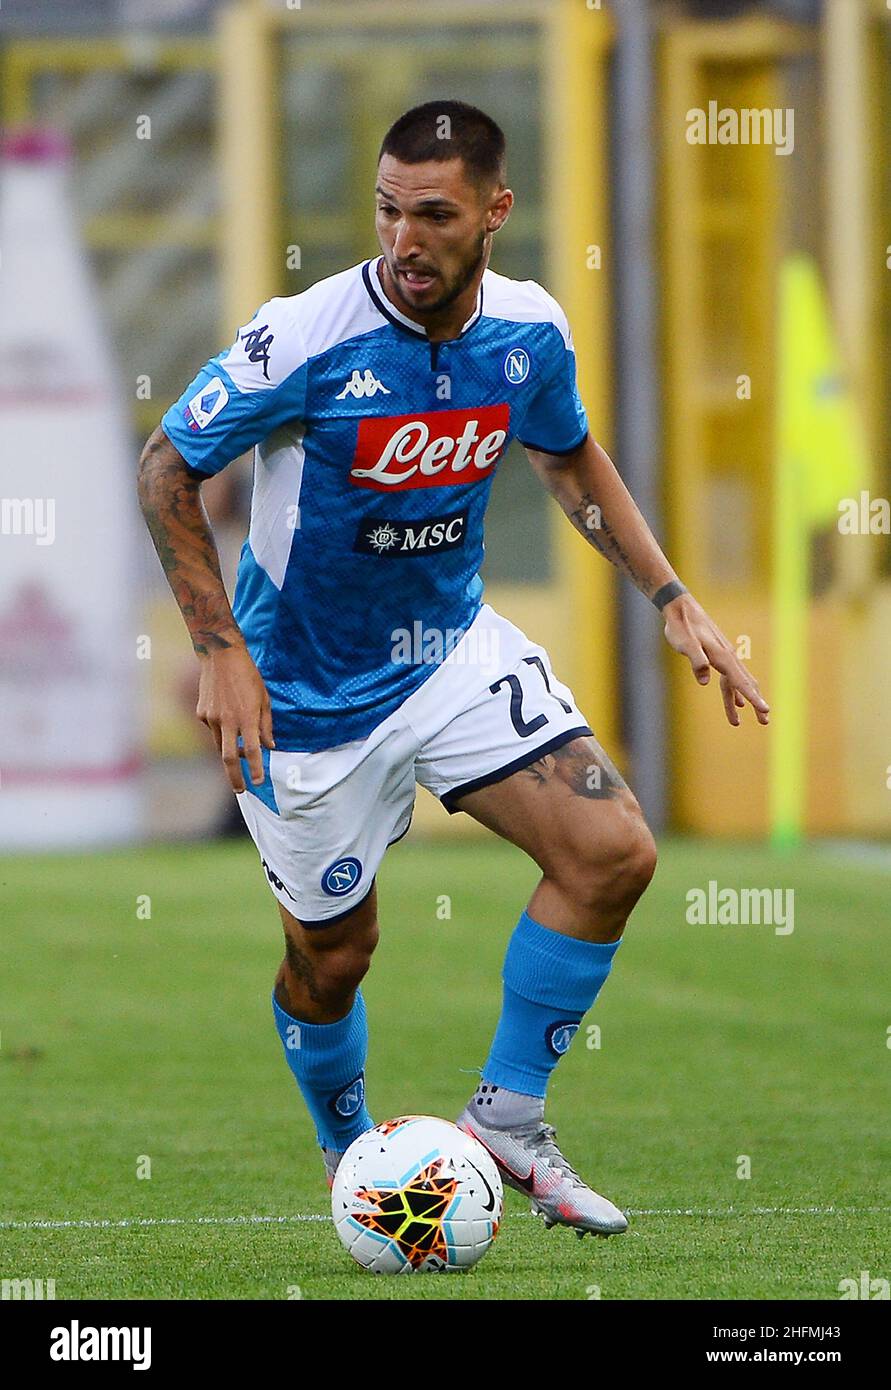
205,405
256,347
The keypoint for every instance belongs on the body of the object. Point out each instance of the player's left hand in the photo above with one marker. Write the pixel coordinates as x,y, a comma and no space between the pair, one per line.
690,631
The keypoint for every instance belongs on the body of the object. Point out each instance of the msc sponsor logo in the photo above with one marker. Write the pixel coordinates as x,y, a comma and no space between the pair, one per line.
440,448
341,876
378,535
559,1035
350,1099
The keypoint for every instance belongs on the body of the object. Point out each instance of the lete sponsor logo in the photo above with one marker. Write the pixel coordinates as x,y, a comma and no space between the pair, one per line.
440,448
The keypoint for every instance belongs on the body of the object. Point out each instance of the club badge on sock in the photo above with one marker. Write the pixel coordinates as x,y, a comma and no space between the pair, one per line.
348,1101
559,1035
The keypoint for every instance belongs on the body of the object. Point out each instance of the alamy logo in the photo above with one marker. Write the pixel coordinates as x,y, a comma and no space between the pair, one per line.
865,1287
29,1289
29,516
76,1343
431,646
733,907
361,385
747,126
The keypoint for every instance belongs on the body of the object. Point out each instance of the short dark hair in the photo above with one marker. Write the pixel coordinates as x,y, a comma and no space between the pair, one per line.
443,130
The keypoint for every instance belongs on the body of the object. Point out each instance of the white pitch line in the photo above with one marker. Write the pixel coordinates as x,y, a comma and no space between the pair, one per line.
141,1221
756,1211
104,1224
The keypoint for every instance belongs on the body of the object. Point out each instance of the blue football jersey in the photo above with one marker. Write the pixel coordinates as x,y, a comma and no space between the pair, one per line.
374,454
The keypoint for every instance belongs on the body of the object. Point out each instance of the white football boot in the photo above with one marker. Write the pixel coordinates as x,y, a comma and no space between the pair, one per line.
529,1160
332,1159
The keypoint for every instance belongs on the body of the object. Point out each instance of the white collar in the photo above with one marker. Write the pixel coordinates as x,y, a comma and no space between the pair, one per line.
374,286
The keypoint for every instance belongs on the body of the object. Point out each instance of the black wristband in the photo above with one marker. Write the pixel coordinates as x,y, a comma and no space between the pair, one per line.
673,589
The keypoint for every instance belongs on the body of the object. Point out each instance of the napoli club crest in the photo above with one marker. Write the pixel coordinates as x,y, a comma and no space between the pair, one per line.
516,366
350,1099
341,876
559,1036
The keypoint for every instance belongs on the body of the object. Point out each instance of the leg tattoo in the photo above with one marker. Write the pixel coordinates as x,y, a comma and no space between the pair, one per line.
583,766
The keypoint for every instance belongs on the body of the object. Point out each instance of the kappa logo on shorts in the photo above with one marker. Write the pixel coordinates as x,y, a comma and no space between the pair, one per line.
350,1099
559,1035
276,881
378,535
341,876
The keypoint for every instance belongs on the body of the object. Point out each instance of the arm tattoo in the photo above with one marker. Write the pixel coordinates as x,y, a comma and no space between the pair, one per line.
171,504
583,766
588,518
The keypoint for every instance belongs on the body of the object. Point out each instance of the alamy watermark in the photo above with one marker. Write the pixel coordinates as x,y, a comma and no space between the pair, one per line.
28,1289
864,1287
732,907
433,646
29,516
750,125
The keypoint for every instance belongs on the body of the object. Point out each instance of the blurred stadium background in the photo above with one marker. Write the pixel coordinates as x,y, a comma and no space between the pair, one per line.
253,176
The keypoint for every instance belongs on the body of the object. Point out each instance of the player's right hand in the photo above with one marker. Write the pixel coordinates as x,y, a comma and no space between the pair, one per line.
233,702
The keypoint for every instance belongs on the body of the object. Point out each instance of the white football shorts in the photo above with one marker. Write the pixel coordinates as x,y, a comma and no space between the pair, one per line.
322,821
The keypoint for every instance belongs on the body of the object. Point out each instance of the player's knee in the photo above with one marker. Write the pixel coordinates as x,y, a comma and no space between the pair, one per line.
342,968
328,969
609,872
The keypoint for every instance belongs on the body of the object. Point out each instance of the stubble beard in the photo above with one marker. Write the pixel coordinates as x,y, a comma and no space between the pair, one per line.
456,290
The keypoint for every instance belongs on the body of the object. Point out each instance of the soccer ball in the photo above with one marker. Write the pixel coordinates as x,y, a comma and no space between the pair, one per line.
416,1195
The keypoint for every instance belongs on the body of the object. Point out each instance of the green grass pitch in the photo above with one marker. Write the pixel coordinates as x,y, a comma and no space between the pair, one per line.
124,1038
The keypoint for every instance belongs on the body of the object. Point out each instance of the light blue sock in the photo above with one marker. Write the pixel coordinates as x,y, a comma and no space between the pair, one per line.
328,1060
550,983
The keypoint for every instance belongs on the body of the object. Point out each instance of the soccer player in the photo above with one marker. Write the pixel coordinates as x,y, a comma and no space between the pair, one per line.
360,657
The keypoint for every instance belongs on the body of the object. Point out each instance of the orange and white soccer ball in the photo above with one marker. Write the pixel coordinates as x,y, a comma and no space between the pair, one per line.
416,1195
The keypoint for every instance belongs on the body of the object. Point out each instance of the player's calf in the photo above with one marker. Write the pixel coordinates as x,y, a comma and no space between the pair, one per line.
320,1017
324,966
317,985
